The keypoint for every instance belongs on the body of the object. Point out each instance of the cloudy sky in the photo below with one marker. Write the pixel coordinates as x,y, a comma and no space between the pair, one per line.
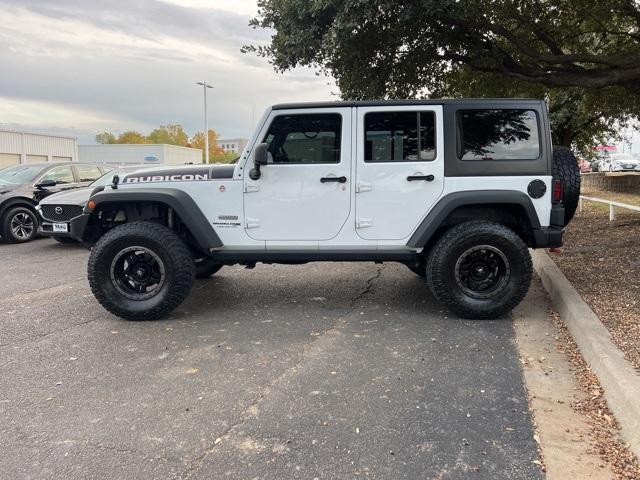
79,67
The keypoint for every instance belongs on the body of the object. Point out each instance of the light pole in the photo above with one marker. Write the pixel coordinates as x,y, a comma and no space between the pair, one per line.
205,85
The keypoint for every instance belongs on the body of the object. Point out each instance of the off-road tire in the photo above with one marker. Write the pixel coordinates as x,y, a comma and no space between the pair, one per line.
441,269
162,241
205,267
5,225
65,240
565,168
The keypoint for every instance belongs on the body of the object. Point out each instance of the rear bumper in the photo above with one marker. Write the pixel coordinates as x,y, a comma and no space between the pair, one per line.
548,237
551,236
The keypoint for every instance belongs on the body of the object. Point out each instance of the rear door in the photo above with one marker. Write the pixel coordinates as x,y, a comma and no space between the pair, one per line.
399,169
87,174
304,194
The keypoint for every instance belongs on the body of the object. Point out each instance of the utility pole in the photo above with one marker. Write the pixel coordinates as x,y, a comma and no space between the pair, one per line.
205,85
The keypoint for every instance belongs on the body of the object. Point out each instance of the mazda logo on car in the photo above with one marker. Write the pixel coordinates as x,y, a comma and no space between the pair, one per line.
58,210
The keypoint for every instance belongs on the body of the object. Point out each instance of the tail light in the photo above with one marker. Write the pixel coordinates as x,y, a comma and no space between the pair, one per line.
556,193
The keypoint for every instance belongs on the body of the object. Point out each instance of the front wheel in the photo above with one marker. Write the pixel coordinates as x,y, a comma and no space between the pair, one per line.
19,225
140,271
479,270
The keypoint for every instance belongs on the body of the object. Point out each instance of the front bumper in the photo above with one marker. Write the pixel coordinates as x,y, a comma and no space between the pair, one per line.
46,230
78,225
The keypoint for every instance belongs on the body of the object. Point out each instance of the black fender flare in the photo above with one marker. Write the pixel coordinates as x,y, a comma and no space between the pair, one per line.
181,202
13,200
450,202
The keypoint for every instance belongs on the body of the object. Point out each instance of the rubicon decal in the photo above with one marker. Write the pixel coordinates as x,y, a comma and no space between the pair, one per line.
187,177
182,175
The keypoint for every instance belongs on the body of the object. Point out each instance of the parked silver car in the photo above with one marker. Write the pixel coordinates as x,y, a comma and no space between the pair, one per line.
619,162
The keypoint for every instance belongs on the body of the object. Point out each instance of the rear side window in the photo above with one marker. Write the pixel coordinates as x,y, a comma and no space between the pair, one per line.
399,136
88,173
497,135
305,138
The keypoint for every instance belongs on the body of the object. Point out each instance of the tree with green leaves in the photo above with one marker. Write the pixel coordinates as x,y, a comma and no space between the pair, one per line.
105,137
583,56
131,136
169,134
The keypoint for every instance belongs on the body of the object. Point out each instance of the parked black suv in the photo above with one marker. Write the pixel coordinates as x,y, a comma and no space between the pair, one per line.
23,186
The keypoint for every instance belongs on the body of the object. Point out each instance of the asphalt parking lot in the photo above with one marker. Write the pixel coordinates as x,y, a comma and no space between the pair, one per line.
325,371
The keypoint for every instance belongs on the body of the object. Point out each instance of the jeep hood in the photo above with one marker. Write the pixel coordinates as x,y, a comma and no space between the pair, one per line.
190,173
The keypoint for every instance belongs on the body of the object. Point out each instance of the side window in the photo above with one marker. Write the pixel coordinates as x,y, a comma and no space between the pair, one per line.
305,138
399,136
497,135
88,173
61,175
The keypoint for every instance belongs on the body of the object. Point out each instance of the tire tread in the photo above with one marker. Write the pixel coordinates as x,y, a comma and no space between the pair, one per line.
436,265
181,258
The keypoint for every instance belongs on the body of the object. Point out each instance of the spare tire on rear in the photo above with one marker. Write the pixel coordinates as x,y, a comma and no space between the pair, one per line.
565,168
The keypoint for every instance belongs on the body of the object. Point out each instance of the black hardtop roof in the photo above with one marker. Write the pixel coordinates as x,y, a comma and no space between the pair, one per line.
388,103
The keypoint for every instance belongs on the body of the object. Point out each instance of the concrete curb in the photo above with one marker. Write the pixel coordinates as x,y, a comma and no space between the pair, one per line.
617,376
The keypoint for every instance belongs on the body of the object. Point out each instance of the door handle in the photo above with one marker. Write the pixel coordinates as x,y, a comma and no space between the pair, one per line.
342,179
428,178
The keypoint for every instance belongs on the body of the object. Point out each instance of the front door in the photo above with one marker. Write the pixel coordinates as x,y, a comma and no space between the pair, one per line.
304,193
399,169
62,175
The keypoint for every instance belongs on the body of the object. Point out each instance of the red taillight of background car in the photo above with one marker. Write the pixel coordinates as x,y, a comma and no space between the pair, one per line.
556,193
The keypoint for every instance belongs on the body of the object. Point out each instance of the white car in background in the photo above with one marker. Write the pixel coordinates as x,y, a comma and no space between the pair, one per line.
619,162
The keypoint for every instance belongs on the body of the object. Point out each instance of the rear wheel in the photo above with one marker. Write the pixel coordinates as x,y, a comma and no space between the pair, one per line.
565,168
206,266
419,268
19,225
140,271
479,270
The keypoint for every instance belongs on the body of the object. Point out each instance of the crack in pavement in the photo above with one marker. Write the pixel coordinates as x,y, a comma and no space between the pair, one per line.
308,351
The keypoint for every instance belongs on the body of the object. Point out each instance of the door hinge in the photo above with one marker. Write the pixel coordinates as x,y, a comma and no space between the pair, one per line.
251,223
363,222
364,187
251,187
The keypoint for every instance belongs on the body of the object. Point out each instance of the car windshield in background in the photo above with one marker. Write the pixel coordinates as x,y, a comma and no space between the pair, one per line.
621,157
107,178
19,174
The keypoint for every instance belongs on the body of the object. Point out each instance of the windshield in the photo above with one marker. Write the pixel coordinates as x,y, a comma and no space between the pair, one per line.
19,174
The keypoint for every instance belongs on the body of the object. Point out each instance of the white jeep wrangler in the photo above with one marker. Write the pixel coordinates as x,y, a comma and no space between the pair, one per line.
455,189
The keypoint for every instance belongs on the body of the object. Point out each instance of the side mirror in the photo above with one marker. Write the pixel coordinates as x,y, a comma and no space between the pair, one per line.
260,157
46,184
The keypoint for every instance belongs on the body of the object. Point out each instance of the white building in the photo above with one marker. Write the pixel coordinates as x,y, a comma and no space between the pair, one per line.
24,147
233,144
134,154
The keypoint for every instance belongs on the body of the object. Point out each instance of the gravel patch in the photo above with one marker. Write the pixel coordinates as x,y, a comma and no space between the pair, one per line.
602,261
604,435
